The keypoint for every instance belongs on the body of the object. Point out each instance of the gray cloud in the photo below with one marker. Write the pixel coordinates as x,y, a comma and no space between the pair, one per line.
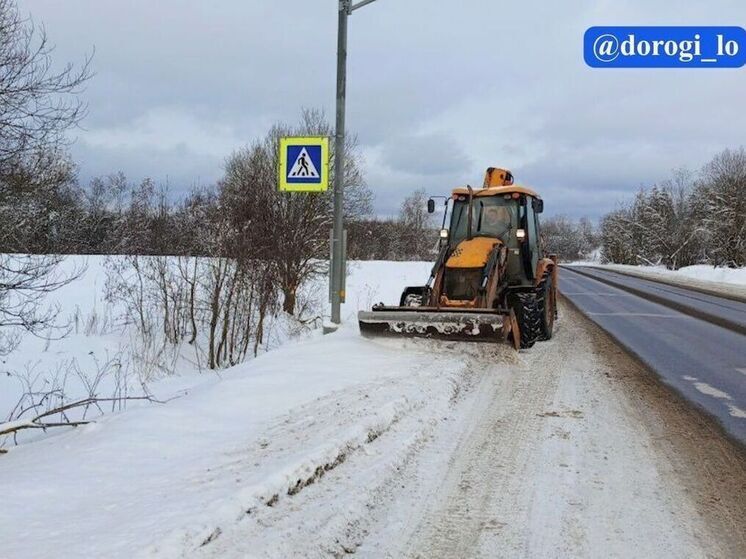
425,155
176,167
437,91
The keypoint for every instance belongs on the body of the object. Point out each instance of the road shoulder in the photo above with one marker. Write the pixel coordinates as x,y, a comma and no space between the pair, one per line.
691,450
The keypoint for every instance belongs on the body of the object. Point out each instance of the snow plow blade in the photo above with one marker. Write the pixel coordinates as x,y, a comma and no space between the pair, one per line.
439,323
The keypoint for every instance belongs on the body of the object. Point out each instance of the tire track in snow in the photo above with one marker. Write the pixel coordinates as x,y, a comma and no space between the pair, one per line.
487,466
337,511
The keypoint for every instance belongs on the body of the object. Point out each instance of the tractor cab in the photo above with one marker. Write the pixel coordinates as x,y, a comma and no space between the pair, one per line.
502,211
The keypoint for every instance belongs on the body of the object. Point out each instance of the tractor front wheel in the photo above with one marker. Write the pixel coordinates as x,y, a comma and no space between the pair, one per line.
529,314
548,305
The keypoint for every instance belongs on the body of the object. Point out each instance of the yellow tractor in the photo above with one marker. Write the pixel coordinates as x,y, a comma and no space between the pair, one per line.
490,280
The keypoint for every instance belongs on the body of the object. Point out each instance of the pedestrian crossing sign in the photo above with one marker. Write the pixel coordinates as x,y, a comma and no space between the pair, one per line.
304,164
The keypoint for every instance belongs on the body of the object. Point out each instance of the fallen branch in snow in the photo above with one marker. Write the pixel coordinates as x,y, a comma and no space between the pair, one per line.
37,422
44,402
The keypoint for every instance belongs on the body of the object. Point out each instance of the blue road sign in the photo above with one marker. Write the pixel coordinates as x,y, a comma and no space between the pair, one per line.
304,164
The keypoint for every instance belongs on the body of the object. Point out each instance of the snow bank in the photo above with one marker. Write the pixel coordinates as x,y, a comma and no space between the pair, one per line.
724,282
735,276
159,480
700,272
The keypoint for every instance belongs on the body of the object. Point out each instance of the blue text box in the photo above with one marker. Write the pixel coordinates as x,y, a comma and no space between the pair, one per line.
665,47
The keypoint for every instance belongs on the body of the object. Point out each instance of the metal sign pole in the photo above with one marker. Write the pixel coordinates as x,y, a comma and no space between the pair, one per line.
339,130
337,280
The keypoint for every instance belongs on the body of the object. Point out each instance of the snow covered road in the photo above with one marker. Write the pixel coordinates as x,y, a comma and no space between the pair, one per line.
562,457
569,450
391,448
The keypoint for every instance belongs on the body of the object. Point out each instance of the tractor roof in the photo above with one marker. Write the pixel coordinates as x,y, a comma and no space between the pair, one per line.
497,191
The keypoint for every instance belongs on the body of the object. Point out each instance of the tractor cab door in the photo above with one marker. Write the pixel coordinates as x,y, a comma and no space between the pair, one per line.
530,246
532,233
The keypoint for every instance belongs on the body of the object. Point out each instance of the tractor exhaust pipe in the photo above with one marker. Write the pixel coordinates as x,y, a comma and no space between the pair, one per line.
470,215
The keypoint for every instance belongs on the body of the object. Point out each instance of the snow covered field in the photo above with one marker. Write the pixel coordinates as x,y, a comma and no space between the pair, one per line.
329,445
97,339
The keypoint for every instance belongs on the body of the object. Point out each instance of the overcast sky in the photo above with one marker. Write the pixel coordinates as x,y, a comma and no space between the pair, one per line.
437,91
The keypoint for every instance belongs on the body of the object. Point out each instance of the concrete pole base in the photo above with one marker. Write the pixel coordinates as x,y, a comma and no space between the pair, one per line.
329,328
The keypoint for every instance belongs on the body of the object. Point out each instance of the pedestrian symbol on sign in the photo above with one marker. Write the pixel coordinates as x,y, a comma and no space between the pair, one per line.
304,164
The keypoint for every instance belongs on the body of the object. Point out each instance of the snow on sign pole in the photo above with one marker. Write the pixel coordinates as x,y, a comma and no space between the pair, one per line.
304,164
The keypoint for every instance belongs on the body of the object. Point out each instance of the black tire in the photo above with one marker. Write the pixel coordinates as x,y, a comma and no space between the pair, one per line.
415,296
547,305
525,305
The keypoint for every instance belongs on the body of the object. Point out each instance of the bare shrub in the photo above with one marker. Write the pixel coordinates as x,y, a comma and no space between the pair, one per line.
24,283
47,399
171,300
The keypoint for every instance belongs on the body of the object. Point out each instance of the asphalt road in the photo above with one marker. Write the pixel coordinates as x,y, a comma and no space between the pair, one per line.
703,356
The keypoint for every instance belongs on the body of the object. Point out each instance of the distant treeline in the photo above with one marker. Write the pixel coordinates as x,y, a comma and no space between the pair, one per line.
689,219
114,216
282,237
692,218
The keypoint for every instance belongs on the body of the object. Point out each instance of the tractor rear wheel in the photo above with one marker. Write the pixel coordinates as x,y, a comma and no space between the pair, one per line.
547,304
528,313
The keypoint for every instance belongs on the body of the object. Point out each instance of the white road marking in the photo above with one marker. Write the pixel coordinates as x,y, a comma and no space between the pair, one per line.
705,388
735,411
641,314
741,370
596,293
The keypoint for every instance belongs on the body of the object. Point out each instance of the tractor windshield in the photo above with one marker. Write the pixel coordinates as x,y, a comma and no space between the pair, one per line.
494,216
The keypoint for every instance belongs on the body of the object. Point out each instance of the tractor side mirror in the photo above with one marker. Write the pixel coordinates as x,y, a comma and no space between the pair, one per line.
538,205
431,206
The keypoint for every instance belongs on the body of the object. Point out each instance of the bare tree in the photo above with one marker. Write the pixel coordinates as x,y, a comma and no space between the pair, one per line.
103,207
569,239
37,107
288,230
418,235
38,104
24,283
375,239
